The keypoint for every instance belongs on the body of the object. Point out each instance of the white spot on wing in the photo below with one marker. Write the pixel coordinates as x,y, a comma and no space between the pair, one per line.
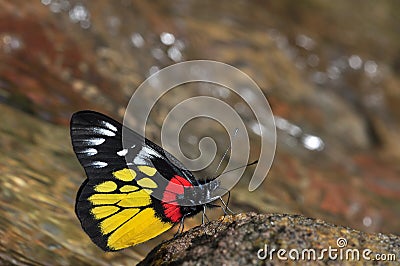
122,152
139,161
147,150
109,126
94,141
98,164
143,157
89,151
103,131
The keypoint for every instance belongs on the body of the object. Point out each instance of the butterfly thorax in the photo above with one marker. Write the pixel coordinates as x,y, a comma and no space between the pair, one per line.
189,200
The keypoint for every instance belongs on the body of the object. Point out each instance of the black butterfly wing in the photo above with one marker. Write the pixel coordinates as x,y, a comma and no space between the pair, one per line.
116,204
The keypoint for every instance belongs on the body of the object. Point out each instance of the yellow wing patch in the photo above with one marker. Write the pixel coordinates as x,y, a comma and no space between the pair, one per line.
128,188
135,199
124,211
138,198
105,199
104,211
143,227
108,186
113,222
147,170
125,174
147,183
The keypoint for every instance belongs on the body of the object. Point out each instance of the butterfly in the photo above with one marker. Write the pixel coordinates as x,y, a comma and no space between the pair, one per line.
134,192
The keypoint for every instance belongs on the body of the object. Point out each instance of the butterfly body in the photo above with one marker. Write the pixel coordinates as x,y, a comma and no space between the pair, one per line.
132,193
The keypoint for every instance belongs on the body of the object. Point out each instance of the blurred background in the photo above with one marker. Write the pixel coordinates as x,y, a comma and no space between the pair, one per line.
330,71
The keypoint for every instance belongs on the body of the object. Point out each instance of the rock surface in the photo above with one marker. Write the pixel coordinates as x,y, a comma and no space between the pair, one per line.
237,240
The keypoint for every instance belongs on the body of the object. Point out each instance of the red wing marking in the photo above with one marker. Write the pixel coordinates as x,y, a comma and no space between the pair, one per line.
171,208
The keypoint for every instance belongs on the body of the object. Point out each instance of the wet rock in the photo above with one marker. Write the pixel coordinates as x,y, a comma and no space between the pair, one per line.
253,239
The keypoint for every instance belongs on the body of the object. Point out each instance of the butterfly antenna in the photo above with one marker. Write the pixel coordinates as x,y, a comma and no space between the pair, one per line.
237,168
226,152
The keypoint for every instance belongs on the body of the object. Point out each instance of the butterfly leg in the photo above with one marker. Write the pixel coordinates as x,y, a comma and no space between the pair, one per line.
223,208
204,215
226,204
181,226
